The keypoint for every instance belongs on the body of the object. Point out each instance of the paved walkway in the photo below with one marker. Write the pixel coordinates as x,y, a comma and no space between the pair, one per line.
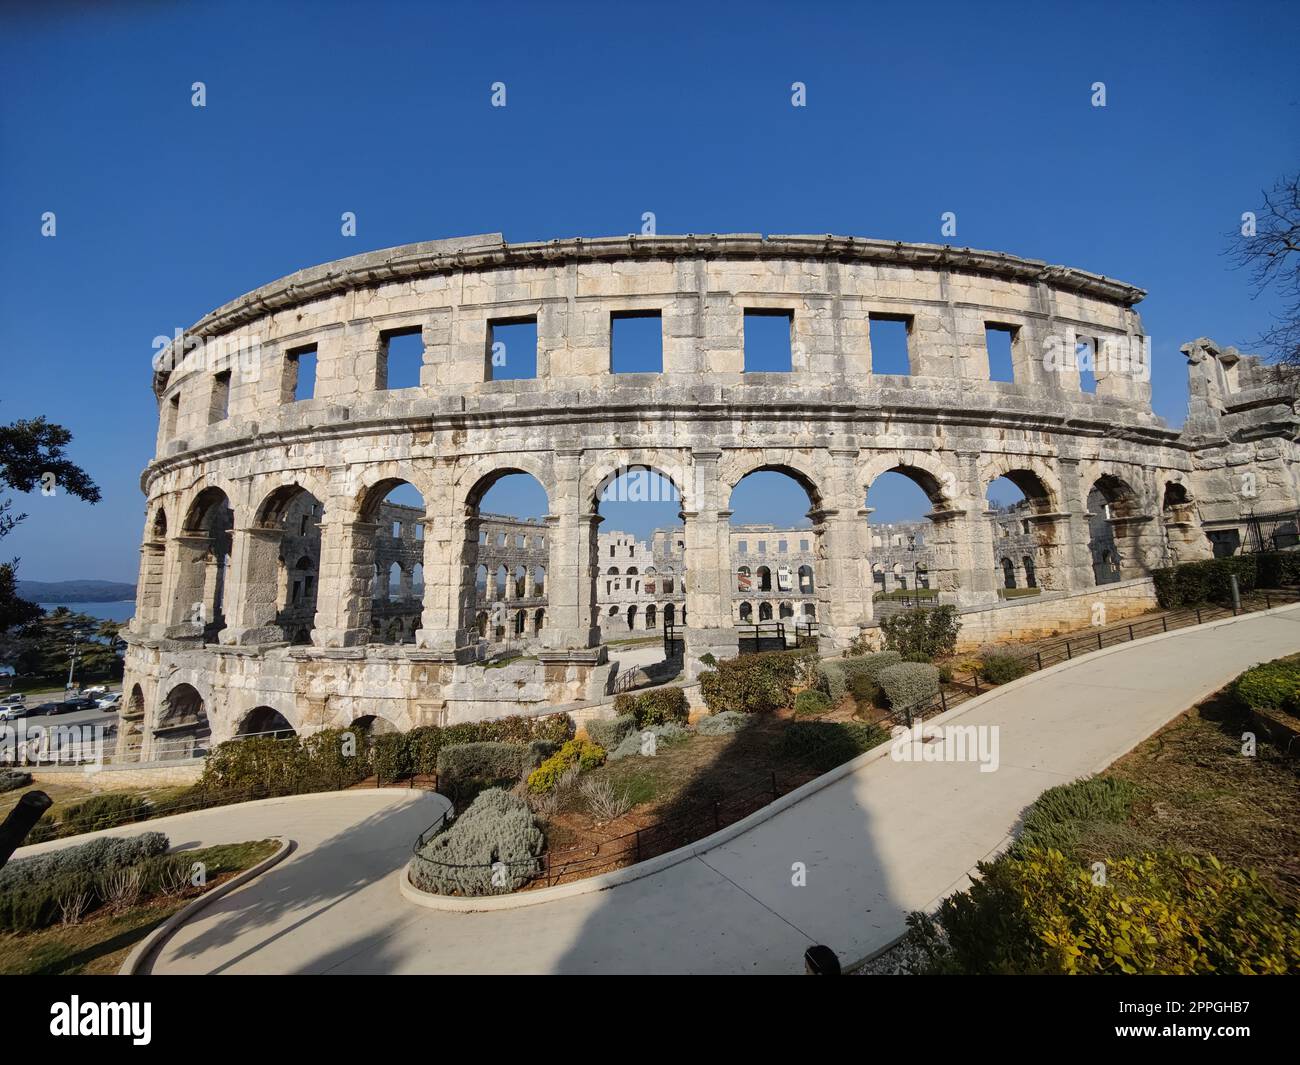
887,839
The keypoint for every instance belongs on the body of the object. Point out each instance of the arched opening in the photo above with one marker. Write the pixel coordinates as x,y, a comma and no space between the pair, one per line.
395,510
373,725
153,565
1025,523
913,531
1031,575
1182,536
1008,573
651,617
507,547
265,721
181,730
539,619
202,566
1117,530
670,615
640,513
746,612
777,534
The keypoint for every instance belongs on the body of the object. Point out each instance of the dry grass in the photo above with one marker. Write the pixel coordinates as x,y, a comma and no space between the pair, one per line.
1200,793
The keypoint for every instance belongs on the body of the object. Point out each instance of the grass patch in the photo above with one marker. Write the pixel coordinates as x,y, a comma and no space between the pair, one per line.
99,944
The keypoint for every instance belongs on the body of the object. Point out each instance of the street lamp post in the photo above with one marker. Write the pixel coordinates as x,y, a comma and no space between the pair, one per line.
911,550
77,634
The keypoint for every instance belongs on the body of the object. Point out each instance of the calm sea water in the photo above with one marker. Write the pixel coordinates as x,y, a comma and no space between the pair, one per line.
120,611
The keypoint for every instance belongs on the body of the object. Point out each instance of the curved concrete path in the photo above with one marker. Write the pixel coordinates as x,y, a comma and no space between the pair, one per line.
879,842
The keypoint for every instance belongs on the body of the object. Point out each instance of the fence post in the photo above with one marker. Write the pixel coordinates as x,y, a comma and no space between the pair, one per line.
1130,633
943,699
1268,603
1099,641
775,794
976,677
638,844
1068,655
1198,615
1039,656
1164,622
717,822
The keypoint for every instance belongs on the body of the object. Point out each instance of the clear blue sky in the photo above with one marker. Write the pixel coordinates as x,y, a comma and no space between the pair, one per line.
165,210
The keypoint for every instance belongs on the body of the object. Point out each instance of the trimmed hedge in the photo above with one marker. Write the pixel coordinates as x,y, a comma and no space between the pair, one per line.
837,673
497,827
586,756
489,761
611,731
1207,581
754,683
999,668
909,685
657,706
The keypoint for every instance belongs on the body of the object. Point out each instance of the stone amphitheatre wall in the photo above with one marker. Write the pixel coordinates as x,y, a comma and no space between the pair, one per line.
237,453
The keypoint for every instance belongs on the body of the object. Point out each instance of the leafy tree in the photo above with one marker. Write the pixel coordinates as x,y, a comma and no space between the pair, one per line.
31,457
924,634
43,647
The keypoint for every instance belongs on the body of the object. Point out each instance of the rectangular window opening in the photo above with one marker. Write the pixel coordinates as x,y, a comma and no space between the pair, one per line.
512,349
220,409
636,342
1085,356
401,355
300,370
173,414
890,340
767,341
999,339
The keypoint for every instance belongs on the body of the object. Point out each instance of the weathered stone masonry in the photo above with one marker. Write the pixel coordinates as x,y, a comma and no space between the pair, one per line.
236,453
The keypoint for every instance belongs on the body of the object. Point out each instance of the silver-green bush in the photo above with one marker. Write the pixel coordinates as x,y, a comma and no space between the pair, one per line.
665,734
498,827
92,858
489,760
909,684
837,672
723,723
611,731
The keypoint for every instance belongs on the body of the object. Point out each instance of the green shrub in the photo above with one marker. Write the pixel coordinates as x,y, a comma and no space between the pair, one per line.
654,707
424,743
13,778
537,753
497,827
1063,814
390,755
103,811
754,683
1038,912
825,744
1206,581
721,724
665,735
611,731
1272,685
486,761
922,635
865,691
810,703
584,755
998,668
30,888
909,685
836,673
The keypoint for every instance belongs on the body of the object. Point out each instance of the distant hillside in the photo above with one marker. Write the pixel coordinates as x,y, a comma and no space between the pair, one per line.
75,591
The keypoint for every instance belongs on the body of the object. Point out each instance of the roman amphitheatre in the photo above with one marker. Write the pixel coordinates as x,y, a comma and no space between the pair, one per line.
264,595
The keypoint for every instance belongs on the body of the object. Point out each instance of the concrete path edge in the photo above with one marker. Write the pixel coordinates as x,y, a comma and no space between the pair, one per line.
605,881
145,949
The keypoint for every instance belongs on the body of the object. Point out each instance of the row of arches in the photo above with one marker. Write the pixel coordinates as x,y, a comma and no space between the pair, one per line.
275,593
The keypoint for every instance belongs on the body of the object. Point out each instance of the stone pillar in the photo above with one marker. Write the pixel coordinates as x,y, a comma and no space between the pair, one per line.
1076,552
450,562
572,565
254,588
150,588
973,539
707,568
1186,541
1136,540
844,554
1053,567
188,609
346,577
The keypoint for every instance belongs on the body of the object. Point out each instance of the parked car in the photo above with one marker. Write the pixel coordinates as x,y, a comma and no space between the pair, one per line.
109,701
11,711
97,690
16,699
77,702
45,709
